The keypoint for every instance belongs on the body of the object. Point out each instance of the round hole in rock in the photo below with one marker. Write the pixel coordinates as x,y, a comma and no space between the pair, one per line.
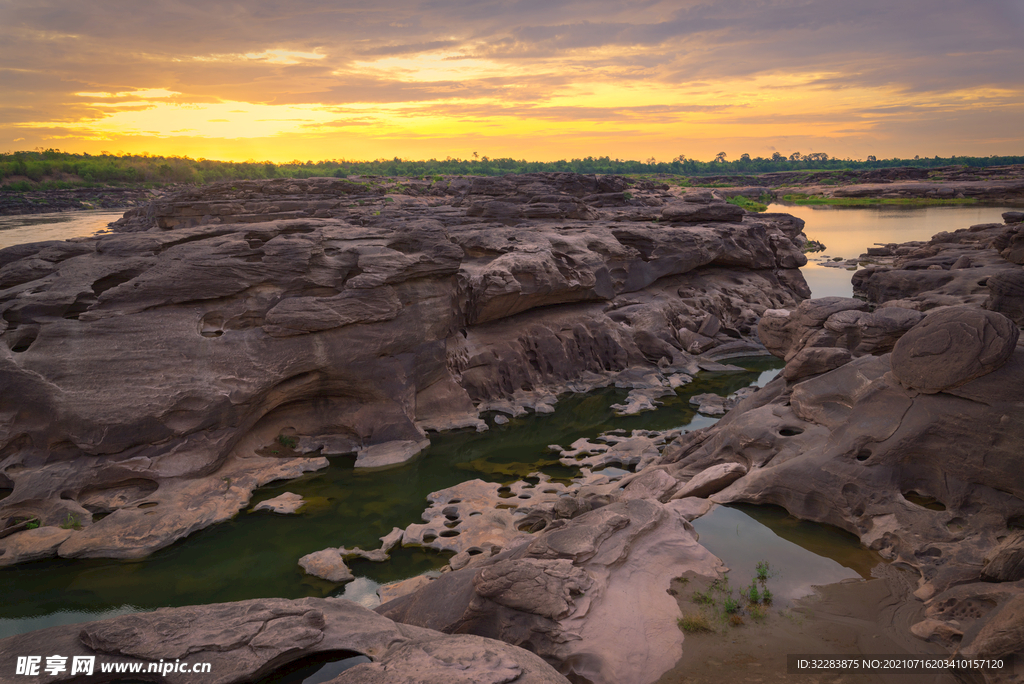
427,538
148,504
452,525
96,517
475,513
790,432
450,533
455,501
524,496
212,333
863,454
315,669
1015,522
6,492
474,552
506,506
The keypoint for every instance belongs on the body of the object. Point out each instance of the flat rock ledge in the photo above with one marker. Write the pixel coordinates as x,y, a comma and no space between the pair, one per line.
246,641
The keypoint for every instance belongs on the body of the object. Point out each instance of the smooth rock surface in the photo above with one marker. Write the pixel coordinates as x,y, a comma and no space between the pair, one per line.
284,504
951,347
327,564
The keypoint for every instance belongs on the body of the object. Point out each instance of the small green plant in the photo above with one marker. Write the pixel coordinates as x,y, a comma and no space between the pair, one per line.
695,623
758,613
627,195
730,605
71,522
753,595
762,571
766,596
703,598
287,442
32,524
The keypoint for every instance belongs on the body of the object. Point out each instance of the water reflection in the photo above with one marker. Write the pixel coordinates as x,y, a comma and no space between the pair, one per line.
802,554
16,230
847,232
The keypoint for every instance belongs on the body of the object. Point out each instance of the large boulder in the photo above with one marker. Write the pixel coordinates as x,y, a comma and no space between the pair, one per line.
951,347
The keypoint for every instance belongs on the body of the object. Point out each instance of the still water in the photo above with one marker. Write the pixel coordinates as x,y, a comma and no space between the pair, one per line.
847,232
801,554
17,230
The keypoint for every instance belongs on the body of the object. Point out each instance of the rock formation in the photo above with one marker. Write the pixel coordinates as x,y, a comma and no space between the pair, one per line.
237,333
980,265
250,640
589,593
901,424
915,450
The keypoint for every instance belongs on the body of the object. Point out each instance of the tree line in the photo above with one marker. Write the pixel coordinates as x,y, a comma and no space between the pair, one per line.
54,169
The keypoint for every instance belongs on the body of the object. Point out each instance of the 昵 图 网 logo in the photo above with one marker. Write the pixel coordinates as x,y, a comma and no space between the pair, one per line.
55,665
34,666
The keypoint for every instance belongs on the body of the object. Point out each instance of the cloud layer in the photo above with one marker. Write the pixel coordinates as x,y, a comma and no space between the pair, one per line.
524,78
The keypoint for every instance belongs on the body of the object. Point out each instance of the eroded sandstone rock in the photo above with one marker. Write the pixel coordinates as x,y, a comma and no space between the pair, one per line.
951,347
915,451
567,592
157,375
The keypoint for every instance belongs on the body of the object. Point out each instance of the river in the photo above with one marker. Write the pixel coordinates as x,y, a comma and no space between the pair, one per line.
16,230
256,554
847,232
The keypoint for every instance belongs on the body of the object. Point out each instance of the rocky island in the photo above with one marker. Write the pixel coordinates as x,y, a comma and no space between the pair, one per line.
147,374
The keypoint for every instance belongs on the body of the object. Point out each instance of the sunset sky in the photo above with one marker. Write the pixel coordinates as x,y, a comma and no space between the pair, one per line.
534,79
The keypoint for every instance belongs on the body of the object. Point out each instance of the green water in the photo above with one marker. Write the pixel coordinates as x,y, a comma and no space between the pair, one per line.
256,554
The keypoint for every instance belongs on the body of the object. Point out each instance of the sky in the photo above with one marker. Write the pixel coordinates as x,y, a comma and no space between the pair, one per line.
530,79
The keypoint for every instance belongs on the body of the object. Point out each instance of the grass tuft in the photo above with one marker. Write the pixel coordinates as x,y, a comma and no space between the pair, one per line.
695,623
